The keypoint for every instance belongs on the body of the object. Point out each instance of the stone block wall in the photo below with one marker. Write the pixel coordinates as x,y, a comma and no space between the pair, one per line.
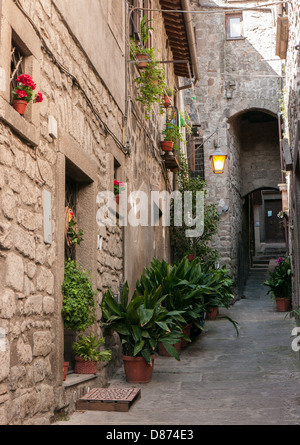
236,76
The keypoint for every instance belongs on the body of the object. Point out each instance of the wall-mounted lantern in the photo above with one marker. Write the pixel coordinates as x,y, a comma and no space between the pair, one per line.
218,159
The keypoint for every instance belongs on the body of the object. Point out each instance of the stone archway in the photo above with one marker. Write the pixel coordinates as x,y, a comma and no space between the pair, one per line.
254,173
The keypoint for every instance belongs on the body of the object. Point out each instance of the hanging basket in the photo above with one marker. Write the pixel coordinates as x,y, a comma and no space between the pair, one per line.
142,60
167,145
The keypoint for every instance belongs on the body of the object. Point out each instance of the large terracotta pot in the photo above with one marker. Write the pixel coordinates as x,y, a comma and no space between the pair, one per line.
167,145
211,313
20,106
84,366
187,332
283,304
66,365
137,370
162,350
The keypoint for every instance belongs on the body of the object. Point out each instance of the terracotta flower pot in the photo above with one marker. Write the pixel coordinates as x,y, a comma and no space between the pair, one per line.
20,106
142,60
167,145
85,366
162,350
137,370
211,313
167,101
66,365
283,304
187,332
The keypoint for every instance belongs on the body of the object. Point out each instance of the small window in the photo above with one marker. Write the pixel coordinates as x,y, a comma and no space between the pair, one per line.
17,64
234,26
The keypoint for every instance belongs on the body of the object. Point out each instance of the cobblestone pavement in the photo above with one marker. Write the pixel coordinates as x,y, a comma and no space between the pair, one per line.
221,379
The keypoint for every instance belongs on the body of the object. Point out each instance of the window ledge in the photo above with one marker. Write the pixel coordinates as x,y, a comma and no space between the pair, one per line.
18,124
75,379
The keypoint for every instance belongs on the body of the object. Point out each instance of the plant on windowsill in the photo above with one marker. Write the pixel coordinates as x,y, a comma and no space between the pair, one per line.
280,284
87,354
118,187
23,93
137,49
74,235
172,137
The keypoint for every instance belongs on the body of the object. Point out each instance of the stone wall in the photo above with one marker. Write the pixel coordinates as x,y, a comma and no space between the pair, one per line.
291,120
89,110
236,76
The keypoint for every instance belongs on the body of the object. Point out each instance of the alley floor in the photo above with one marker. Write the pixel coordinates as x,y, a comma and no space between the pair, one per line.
221,379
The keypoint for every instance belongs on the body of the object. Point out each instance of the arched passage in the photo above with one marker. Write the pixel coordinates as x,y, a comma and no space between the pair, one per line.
254,142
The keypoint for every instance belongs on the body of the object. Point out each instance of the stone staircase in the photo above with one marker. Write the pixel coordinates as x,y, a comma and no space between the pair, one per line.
263,261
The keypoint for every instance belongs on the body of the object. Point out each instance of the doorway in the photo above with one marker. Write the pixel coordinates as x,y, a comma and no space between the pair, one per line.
274,230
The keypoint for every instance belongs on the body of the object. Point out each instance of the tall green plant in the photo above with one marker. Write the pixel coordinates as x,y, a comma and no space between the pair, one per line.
78,309
141,322
200,246
280,280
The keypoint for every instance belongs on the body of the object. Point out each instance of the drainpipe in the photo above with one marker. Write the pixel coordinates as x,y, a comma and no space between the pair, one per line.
282,178
192,43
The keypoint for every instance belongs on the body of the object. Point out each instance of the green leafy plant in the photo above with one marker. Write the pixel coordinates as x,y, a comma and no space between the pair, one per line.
199,246
144,29
141,322
74,233
78,309
150,83
87,347
280,280
172,133
180,294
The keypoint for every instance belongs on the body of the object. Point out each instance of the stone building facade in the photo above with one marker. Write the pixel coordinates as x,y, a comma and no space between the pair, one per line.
88,131
236,102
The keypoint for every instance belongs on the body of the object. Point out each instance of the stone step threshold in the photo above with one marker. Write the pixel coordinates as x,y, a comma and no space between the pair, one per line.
74,379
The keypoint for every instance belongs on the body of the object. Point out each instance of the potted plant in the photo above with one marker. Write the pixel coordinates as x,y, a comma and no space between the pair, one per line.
73,234
180,295
280,284
167,96
23,93
141,323
118,187
87,354
137,48
150,83
172,136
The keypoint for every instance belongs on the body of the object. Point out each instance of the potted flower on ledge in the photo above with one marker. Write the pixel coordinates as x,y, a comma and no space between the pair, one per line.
280,284
172,136
23,93
118,187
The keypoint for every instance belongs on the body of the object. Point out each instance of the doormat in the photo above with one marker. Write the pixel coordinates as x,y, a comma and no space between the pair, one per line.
109,399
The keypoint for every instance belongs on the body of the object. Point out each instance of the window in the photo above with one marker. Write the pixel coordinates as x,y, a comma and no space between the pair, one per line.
234,26
17,64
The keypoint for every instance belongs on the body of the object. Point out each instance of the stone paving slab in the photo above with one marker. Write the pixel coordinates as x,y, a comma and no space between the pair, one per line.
221,379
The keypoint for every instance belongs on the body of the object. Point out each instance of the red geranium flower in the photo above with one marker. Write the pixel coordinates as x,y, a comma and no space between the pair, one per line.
39,98
21,94
26,80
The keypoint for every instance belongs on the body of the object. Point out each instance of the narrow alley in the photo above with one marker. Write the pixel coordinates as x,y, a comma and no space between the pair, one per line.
221,379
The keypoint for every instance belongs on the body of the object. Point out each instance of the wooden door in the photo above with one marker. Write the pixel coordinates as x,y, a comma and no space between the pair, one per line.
273,227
